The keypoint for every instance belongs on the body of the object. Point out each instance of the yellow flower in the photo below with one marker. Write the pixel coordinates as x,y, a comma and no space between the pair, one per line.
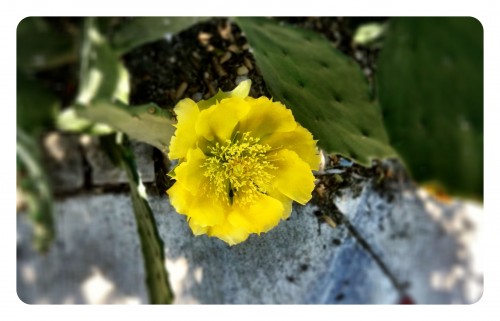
242,161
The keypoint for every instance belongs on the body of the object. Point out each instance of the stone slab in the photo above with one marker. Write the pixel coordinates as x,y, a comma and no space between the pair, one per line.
63,161
96,257
104,172
431,247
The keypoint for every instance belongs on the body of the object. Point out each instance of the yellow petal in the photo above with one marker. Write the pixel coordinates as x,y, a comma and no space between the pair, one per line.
286,202
219,121
190,173
201,209
300,140
184,138
230,234
196,229
204,210
241,91
266,117
293,176
261,216
241,220
180,198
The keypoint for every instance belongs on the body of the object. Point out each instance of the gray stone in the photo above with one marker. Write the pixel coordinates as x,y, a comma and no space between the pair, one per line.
430,247
104,172
297,262
95,258
300,261
63,161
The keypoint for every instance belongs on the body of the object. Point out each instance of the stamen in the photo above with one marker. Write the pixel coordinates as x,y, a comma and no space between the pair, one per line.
238,170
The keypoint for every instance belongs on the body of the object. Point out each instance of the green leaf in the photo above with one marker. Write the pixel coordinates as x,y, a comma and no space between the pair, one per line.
151,243
36,189
147,123
430,83
40,46
326,91
36,106
141,30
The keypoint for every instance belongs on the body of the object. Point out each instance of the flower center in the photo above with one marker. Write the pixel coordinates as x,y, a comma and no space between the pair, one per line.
238,170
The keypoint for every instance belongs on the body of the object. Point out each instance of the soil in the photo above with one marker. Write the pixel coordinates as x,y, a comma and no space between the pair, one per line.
214,54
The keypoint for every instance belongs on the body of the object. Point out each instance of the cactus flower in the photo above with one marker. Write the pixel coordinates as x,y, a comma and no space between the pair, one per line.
242,161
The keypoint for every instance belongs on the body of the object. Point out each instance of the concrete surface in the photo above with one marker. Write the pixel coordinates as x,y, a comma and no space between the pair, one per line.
104,172
63,161
405,247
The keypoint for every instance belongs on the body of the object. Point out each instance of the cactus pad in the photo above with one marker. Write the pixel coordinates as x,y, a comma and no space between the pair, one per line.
151,243
141,30
147,123
36,189
326,90
103,94
430,83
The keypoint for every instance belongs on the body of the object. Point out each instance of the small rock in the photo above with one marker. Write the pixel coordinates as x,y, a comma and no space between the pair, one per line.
197,96
104,172
226,32
234,49
242,70
63,161
248,63
180,91
225,57
204,38
218,68
241,78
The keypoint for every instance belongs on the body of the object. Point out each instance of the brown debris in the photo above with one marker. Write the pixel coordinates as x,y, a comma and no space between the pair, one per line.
248,63
226,57
242,70
218,68
204,38
234,49
226,32
180,90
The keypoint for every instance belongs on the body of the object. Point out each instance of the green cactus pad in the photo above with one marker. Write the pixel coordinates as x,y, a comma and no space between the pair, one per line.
36,189
36,106
326,91
151,243
430,84
102,74
141,30
103,94
147,123
41,46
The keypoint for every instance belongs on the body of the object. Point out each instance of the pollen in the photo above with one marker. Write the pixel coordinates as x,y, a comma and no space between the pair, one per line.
239,169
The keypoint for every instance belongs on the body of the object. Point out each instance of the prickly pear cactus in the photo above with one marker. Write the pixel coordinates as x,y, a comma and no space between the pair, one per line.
147,123
141,30
103,93
34,183
102,98
36,108
41,46
326,90
151,243
430,84
102,74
